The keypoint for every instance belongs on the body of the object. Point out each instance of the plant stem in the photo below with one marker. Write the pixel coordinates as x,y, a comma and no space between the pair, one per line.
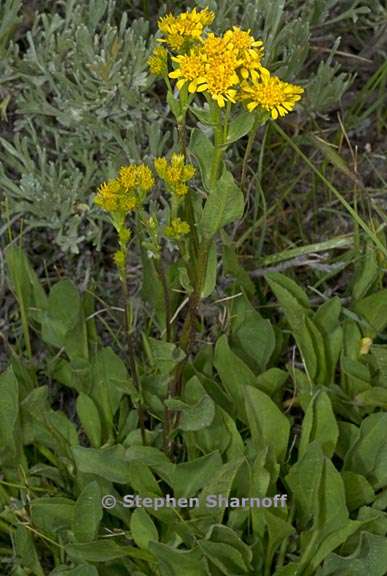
249,147
24,320
187,337
131,355
167,303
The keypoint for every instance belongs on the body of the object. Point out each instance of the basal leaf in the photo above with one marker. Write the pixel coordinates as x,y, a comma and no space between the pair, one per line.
224,204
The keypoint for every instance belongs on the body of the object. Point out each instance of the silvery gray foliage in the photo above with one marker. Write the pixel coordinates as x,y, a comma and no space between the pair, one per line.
80,110
76,88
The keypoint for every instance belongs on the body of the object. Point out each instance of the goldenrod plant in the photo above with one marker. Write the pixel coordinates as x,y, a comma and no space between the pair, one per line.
202,390
222,81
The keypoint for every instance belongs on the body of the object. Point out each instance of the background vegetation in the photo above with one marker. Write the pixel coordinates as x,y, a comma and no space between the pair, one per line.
272,403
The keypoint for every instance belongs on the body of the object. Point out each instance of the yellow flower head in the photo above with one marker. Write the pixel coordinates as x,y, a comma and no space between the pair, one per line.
121,194
210,67
250,51
145,180
222,61
177,229
158,61
184,29
271,94
175,173
136,176
191,69
110,196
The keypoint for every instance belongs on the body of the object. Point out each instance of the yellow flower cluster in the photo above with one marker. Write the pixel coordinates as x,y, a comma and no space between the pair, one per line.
271,94
182,30
125,193
228,68
158,61
177,229
175,173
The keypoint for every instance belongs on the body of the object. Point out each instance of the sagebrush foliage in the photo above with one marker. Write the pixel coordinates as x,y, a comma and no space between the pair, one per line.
76,88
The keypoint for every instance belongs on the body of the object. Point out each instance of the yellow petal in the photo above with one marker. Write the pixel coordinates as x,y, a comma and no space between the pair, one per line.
192,87
175,73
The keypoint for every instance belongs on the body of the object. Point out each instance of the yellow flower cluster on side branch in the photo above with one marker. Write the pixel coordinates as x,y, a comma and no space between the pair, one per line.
175,173
177,229
126,192
226,68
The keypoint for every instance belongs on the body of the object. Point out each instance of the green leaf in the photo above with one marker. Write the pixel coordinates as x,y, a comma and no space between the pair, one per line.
289,294
195,416
52,514
175,562
310,339
221,483
25,284
366,273
379,354
370,557
82,570
374,397
63,311
104,551
190,477
203,150
319,425
225,535
210,280
88,513
224,204
109,378
328,314
271,381
278,530
234,373
9,410
162,356
231,265
89,418
255,339
304,481
142,528
368,456
174,104
358,490
268,425
240,126
26,550
204,115
109,463
373,309
226,558
291,569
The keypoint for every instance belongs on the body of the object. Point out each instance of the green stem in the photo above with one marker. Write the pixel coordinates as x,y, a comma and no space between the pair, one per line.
219,150
131,354
187,337
249,147
167,303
